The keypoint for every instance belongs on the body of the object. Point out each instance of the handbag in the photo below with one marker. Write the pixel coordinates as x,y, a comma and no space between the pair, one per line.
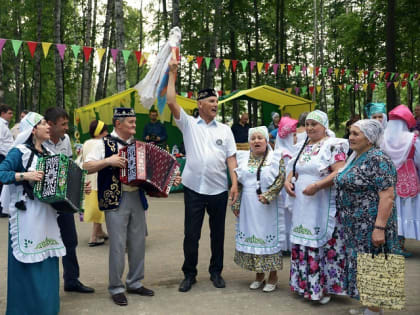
408,184
380,279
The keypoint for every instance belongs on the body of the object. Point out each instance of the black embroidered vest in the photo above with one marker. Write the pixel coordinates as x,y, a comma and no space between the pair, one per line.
109,185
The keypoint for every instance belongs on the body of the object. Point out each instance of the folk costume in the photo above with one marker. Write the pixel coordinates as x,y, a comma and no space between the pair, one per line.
124,208
34,237
260,229
317,262
403,147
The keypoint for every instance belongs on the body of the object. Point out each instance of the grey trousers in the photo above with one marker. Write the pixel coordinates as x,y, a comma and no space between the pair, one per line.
126,229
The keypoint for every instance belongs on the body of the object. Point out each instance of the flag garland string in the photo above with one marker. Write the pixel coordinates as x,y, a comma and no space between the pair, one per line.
387,78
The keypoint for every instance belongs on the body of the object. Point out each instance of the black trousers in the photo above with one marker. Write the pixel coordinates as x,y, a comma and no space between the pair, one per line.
69,235
195,206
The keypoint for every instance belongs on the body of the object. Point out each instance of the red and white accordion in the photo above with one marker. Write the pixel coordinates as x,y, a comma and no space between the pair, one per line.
150,167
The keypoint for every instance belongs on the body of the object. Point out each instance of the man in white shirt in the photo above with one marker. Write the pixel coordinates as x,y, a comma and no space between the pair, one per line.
6,139
15,130
209,146
59,142
124,208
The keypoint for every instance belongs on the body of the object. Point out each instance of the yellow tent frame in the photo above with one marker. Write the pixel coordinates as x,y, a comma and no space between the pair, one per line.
292,104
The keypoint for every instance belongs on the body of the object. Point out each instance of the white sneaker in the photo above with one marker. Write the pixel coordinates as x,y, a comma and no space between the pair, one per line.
256,285
269,287
325,300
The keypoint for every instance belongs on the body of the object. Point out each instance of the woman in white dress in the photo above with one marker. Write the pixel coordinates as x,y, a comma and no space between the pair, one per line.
318,259
403,147
260,230
285,143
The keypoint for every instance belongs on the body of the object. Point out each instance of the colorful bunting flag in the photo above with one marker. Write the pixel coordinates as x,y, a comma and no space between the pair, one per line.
289,90
46,48
318,88
372,86
311,89
190,58
304,68
348,87
266,67
396,84
330,70
324,71
138,55
297,70
86,52
388,84
347,72
226,62
32,47
16,45
244,63
234,63
289,68
317,71
217,62
304,89
282,68
2,42
199,61
145,57
403,84
364,86
126,54
259,66
387,75
61,50
297,90
336,70
76,50
207,61
252,65
114,54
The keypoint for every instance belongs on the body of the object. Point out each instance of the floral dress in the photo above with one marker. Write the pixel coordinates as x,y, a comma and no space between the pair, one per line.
260,229
357,187
318,252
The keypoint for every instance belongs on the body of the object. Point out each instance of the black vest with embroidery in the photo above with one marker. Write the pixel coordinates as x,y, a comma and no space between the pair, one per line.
109,185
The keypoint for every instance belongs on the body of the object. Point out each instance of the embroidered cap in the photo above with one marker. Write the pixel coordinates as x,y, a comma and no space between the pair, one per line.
123,112
318,116
375,108
206,93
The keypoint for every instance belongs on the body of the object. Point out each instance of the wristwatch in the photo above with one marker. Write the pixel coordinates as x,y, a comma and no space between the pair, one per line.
21,176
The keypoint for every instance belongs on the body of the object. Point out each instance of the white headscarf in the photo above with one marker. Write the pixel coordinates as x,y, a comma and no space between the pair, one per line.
286,144
27,124
322,118
373,131
398,141
262,130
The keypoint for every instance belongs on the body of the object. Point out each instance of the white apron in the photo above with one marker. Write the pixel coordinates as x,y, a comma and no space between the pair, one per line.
260,228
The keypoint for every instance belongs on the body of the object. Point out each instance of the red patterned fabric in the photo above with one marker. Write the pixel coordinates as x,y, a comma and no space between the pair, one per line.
408,183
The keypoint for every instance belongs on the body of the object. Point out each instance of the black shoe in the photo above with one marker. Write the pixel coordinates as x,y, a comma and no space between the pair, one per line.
77,286
218,281
119,299
142,291
186,284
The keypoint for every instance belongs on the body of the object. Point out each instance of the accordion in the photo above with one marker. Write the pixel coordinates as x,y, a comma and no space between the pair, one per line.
63,184
150,167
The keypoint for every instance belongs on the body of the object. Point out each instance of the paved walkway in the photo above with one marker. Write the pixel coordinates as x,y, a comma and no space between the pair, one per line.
163,262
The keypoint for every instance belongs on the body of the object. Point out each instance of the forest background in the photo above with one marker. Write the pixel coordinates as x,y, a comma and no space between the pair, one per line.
360,50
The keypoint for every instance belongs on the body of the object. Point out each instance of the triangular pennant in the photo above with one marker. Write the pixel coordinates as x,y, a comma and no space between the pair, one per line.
252,65
304,89
217,62
145,57
381,74
76,50
311,89
396,75
347,72
405,75
259,66
365,72
318,88
387,75
266,67
370,74
199,61
289,68
126,54
32,47
311,71
336,70
244,63
360,74
372,86
411,77
2,42
275,68
396,84
330,70
365,86
341,86
392,76
324,71
61,50
388,84
289,90
403,84
114,54
16,45
190,58
220,93
207,61
138,55
297,70
190,94
317,71
234,63
226,63
304,69
282,68
412,84
86,52
46,48
348,87
343,72
297,90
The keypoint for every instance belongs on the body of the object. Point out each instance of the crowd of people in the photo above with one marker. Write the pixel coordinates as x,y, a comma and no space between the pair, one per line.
295,188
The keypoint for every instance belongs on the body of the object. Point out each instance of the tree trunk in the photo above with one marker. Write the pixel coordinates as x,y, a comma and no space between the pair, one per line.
87,42
18,35
175,13
165,19
391,96
140,38
209,78
59,83
100,89
36,86
235,107
119,39
257,55
108,61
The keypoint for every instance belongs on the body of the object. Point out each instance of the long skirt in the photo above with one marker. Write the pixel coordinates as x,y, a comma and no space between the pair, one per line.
32,288
315,272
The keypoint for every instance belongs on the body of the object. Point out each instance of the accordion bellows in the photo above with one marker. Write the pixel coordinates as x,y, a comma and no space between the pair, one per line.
62,185
150,167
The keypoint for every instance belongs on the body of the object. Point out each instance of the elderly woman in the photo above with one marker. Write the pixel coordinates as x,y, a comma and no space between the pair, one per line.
34,237
260,231
365,199
317,263
97,131
377,111
274,124
403,147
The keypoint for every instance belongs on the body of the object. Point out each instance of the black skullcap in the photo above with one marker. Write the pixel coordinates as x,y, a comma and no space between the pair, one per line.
206,93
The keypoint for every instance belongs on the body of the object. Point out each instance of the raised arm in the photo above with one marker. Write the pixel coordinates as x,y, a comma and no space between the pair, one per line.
171,93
